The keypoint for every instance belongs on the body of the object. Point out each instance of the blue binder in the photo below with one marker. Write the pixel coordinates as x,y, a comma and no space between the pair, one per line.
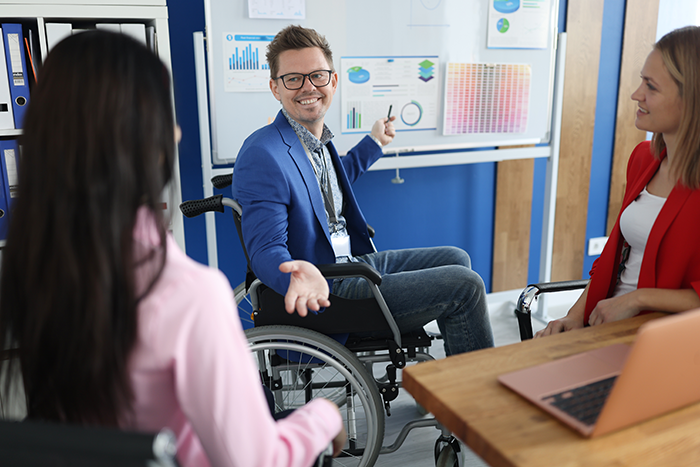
7,147
9,160
16,70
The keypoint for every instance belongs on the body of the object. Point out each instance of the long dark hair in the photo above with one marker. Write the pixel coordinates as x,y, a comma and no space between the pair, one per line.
98,146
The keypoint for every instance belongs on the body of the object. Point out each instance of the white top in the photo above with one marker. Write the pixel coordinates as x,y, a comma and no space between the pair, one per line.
635,224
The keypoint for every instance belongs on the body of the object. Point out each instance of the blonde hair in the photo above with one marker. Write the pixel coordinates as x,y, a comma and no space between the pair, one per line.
680,52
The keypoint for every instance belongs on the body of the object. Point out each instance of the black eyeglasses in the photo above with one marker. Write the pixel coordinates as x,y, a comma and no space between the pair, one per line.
294,81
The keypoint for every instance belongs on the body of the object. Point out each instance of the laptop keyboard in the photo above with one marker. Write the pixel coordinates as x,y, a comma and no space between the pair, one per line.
584,403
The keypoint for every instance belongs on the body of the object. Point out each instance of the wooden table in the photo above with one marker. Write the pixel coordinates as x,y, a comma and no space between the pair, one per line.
506,430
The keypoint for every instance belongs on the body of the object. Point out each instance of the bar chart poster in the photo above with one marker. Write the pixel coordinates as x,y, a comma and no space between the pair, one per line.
486,98
370,86
245,67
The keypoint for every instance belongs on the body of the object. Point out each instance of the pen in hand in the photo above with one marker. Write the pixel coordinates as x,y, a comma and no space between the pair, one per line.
389,114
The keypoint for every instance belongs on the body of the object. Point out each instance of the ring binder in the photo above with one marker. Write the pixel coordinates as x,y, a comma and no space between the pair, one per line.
7,119
16,70
8,152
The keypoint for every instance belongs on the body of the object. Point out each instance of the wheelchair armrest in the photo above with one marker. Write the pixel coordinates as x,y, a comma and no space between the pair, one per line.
561,286
338,270
531,292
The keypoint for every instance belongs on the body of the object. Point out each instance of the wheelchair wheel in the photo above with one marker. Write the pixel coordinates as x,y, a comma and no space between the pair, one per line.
299,365
447,452
245,306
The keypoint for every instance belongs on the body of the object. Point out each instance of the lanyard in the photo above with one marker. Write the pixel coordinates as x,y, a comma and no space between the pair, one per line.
326,190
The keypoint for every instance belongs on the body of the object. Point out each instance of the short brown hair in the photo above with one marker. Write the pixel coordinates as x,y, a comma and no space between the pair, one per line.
680,52
294,38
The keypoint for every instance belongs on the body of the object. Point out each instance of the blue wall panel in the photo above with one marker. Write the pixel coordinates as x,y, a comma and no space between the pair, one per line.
435,206
186,17
605,118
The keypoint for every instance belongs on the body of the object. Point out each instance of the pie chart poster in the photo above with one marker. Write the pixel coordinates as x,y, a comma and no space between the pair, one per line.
370,87
519,24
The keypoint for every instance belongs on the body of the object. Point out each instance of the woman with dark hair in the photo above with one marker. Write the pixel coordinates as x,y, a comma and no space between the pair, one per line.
651,261
114,325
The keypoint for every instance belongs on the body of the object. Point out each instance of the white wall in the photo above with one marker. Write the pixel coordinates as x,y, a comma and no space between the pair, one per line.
674,14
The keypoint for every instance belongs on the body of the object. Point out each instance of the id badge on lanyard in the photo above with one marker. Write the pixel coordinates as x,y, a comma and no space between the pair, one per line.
341,245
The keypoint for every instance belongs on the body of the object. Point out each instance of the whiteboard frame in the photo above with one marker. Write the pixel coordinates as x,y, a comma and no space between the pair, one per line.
417,141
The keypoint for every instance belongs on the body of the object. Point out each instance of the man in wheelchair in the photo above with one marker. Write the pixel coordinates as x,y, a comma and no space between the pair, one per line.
298,203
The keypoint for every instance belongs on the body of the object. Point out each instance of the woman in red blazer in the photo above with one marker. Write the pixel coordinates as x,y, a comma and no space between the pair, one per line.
651,261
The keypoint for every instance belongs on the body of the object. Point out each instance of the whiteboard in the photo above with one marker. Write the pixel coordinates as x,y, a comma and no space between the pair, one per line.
452,30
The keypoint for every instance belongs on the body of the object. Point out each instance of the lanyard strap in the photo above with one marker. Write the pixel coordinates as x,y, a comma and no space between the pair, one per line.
326,189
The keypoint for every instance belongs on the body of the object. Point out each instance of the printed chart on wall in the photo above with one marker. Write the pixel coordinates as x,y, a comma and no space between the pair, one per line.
245,67
519,24
370,86
486,98
277,9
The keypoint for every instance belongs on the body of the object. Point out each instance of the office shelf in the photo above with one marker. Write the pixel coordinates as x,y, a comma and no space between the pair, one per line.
84,14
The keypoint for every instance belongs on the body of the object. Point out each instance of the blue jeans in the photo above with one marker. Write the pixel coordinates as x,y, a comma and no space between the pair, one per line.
424,284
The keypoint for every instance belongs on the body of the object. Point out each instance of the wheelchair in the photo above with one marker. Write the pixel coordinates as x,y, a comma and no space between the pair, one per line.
298,361
523,307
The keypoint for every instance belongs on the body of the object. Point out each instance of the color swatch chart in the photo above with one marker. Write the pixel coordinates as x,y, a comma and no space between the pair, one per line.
486,98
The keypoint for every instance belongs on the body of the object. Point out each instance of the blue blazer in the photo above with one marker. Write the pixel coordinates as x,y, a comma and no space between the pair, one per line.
284,216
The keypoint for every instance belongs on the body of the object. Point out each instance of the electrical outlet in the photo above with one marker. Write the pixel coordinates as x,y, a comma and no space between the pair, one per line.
595,245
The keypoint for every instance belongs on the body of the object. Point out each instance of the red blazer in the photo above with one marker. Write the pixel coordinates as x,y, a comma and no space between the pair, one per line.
672,255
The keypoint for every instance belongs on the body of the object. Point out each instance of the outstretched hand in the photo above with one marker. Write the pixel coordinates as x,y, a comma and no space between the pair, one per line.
383,129
308,289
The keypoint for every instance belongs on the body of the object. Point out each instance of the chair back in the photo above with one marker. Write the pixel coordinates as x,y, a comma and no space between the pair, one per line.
48,444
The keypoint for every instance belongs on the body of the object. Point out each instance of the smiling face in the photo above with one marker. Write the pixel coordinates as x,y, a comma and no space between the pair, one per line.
307,105
660,104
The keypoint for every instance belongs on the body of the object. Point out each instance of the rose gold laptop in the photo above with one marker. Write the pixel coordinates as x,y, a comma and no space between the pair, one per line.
606,389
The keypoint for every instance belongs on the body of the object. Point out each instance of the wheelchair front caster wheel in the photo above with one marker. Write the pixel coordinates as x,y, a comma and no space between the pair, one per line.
447,458
447,452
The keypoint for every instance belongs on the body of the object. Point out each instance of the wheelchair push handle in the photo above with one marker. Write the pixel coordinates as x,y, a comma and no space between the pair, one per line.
196,207
222,181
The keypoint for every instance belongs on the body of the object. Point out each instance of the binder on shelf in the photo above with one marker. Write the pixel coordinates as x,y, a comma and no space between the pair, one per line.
114,27
7,119
30,56
34,51
16,70
56,32
4,209
8,156
151,39
135,30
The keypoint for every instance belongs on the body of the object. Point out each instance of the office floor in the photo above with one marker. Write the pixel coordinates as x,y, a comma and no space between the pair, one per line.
417,449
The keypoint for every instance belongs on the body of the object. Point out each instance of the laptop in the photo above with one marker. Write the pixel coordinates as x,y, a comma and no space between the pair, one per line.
606,389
